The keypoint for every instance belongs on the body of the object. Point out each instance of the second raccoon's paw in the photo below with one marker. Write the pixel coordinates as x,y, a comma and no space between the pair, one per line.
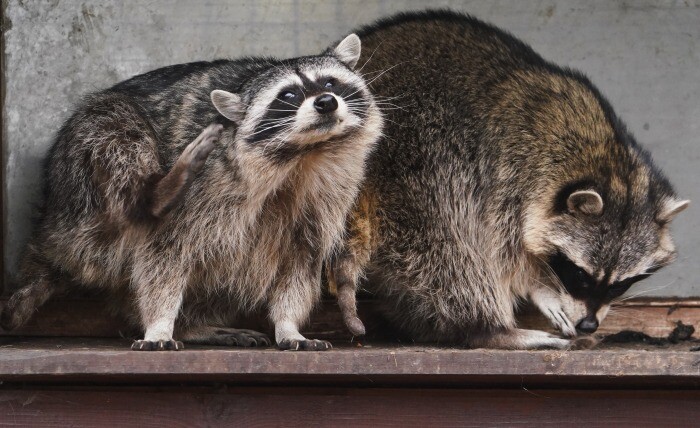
239,337
157,345
304,345
550,304
196,153
560,321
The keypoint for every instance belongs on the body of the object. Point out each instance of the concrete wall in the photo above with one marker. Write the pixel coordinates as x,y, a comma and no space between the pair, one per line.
643,54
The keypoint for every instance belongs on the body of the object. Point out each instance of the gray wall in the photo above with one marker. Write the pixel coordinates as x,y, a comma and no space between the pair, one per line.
643,54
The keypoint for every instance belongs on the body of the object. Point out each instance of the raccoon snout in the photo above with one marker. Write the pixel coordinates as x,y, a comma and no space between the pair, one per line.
588,324
325,103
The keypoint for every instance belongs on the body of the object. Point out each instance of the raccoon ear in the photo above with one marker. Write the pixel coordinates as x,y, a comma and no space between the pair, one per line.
229,105
348,51
670,208
586,202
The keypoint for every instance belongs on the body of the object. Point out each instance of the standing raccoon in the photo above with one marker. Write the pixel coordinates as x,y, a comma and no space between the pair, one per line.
501,178
189,234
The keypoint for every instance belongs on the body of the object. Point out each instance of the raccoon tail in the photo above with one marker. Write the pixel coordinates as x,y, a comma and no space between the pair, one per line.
342,277
41,285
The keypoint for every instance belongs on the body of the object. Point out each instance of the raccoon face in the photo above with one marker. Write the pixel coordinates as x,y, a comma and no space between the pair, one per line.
599,243
300,104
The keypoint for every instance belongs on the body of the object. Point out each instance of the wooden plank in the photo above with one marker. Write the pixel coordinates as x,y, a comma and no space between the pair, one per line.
90,318
63,360
351,408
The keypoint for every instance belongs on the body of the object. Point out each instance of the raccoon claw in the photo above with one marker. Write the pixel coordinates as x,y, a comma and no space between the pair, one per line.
561,322
549,304
304,345
157,345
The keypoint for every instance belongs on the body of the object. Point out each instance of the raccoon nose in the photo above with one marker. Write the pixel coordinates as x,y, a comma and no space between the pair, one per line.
588,324
325,103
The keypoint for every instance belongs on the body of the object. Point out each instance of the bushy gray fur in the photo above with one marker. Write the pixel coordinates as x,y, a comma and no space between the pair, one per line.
188,234
501,178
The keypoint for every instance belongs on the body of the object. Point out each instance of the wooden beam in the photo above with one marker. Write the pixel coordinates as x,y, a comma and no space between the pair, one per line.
351,408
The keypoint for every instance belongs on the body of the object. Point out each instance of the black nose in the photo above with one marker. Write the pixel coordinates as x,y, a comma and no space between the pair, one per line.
325,103
588,324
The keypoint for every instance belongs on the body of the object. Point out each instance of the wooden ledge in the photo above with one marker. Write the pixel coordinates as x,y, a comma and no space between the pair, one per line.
110,361
73,341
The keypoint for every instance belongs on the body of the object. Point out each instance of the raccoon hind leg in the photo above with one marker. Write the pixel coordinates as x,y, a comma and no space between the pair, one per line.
221,336
42,283
171,188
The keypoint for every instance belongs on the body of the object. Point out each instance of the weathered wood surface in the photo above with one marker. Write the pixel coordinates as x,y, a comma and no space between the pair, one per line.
352,408
66,360
89,318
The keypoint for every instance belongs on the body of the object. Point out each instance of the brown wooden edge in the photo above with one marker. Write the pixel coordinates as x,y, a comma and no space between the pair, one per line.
351,408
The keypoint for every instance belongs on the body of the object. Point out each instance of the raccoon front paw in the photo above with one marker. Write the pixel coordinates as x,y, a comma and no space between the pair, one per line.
196,153
550,304
157,345
304,345
560,321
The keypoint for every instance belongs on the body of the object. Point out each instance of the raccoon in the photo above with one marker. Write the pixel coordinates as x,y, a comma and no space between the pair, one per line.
501,178
187,233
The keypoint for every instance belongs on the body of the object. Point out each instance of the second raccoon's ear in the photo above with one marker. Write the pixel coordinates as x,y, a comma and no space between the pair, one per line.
348,51
671,208
229,105
586,202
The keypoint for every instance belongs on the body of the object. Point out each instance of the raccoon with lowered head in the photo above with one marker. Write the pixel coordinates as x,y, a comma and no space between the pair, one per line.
501,178
189,234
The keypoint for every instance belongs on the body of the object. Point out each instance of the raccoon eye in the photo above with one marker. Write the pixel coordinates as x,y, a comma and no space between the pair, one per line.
619,288
289,95
330,83
584,280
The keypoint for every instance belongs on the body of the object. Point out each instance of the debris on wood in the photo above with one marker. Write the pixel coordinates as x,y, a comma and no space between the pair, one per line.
631,336
682,332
